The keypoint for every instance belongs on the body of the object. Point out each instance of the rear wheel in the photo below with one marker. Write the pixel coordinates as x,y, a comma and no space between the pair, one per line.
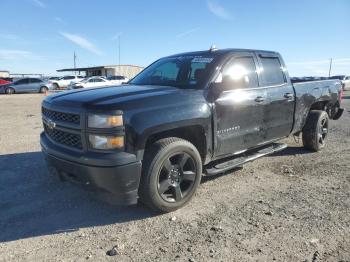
43,89
315,131
10,91
172,171
55,86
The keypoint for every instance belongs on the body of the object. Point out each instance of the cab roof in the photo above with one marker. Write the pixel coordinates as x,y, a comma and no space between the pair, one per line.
222,52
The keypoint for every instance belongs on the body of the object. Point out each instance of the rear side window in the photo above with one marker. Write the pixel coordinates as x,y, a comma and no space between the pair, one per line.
68,77
272,71
35,80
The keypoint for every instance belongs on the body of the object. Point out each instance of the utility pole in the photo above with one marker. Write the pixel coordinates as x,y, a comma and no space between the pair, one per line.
119,51
75,63
330,67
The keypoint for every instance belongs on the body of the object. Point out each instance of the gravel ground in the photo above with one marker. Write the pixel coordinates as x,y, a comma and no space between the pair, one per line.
291,206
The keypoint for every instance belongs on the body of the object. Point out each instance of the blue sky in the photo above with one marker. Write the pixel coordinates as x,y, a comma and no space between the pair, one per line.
40,36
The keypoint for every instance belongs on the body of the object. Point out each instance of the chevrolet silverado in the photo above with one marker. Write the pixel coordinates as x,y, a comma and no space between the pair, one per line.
184,116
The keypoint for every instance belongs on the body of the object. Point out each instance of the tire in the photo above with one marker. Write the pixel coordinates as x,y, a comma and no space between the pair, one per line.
315,131
9,91
171,174
55,86
43,89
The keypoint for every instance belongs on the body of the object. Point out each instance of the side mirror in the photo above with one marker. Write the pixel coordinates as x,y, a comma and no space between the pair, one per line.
215,90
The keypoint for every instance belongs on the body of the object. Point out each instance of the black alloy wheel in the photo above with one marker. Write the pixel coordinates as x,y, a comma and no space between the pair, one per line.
323,132
176,177
171,174
315,131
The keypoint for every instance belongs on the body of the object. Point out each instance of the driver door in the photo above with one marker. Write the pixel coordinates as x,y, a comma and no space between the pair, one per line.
240,106
22,86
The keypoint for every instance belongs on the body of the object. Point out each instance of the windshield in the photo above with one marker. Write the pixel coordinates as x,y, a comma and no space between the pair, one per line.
181,71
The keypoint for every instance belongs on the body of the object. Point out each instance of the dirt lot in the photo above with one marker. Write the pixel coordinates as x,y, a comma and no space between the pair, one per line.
292,206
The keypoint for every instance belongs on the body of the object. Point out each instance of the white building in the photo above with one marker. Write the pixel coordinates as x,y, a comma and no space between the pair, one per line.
128,71
4,73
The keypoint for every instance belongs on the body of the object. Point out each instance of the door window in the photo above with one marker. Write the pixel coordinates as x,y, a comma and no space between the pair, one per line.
240,73
272,71
22,82
35,80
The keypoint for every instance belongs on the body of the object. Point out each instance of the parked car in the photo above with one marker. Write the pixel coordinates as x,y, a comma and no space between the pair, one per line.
339,77
94,81
4,82
64,81
25,85
184,115
118,80
344,79
346,83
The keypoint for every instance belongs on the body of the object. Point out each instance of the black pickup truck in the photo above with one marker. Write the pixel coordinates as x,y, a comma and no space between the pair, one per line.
184,116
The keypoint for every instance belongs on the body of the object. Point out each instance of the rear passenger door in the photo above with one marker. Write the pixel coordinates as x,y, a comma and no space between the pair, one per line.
280,101
239,108
35,84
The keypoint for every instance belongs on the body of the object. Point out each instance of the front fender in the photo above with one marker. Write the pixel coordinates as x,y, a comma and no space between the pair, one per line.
152,121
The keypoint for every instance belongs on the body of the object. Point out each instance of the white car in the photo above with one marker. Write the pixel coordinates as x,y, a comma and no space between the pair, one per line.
118,80
346,83
64,81
345,80
94,81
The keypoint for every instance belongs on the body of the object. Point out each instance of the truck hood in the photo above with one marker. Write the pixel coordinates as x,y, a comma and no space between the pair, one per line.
118,97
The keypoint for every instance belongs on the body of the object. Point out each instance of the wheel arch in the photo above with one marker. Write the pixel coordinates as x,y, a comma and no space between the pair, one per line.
10,87
196,134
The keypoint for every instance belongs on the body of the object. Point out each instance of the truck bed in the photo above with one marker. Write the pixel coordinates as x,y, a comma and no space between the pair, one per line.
309,93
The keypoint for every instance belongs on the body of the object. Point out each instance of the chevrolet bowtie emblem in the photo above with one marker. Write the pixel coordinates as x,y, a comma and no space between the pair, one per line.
51,124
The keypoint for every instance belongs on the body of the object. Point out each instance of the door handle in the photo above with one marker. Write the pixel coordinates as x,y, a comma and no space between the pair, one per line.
288,95
259,99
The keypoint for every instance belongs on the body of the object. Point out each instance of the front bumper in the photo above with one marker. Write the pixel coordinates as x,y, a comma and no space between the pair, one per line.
115,179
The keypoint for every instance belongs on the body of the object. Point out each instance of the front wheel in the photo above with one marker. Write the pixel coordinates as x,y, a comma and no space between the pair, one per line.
171,173
315,131
9,91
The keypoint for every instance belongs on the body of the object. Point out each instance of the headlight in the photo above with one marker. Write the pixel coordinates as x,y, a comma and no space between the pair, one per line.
104,121
106,142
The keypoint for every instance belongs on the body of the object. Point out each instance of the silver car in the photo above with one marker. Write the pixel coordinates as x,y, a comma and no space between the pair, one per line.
25,85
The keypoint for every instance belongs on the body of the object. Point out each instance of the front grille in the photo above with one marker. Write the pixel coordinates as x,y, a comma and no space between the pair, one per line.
65,138
60,116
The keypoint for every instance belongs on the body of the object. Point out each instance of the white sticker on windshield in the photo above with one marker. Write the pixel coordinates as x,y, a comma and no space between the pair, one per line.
206,60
